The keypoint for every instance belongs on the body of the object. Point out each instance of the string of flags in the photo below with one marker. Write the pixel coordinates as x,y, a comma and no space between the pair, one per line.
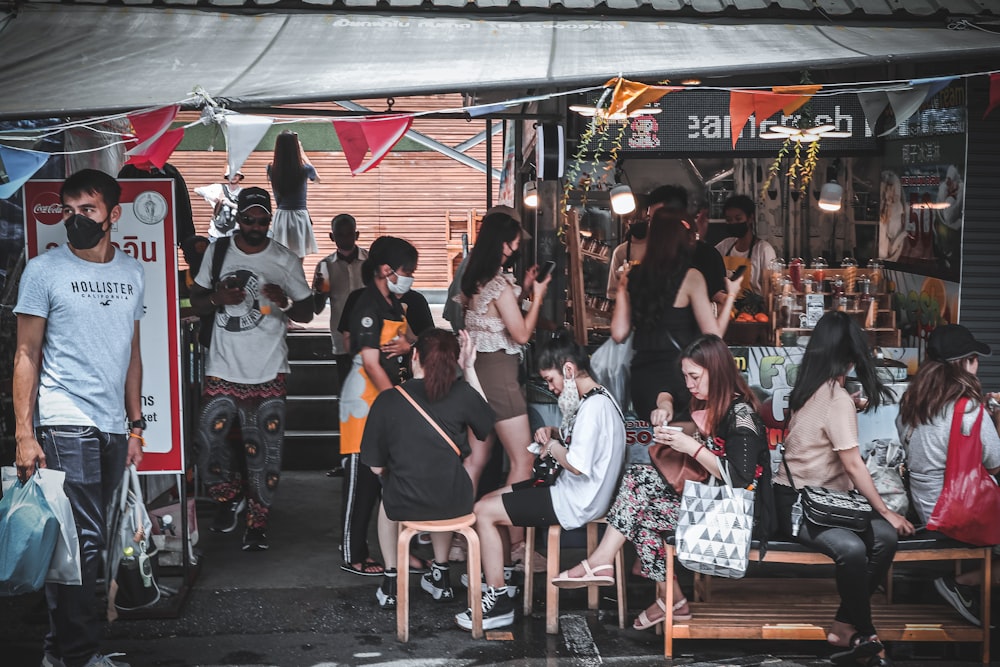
366,139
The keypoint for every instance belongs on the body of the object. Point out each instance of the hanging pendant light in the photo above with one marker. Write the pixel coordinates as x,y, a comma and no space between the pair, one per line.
831,196
622,199
531,194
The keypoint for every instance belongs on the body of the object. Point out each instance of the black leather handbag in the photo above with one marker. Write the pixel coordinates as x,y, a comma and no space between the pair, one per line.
832,508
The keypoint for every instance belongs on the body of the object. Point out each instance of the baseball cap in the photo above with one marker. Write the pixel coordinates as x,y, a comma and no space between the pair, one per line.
953,341
250,197
238,173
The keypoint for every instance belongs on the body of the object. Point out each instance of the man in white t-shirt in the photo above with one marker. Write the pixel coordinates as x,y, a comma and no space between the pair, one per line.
261,286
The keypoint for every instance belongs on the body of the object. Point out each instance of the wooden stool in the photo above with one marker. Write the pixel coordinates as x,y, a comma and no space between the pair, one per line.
552,571
407,529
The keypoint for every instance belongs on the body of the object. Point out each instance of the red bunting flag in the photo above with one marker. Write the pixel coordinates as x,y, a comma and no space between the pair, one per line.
994,93
763,104
630,96
152,139
377,134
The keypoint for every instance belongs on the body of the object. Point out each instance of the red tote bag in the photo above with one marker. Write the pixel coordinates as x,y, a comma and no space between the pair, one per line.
970,499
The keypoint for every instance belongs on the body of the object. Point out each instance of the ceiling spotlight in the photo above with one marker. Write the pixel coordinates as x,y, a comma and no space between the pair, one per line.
531,194
691,82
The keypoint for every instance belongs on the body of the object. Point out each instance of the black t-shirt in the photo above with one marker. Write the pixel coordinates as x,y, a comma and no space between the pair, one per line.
708,260
368,317
418,312
424,478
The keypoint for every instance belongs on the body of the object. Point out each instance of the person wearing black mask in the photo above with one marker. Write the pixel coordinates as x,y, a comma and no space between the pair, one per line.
742,247
261,286
631,251
77,390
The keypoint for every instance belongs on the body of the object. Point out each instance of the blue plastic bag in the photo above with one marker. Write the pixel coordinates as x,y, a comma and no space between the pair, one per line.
28,533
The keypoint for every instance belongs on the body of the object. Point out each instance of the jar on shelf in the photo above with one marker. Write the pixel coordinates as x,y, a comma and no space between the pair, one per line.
876,268
850,267
795,273
776,269
819,267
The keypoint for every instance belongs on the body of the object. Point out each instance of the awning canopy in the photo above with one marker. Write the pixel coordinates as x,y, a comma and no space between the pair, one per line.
62,60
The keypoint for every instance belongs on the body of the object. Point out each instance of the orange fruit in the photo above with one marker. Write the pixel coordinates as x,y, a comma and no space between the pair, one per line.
744,317
761,317
935,289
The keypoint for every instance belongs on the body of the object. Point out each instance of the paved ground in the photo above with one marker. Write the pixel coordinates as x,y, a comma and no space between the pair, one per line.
292,607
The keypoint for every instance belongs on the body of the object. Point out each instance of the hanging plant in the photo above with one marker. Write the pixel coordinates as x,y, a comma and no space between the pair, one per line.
803,162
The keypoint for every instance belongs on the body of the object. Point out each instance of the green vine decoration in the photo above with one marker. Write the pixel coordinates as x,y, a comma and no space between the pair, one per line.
803,163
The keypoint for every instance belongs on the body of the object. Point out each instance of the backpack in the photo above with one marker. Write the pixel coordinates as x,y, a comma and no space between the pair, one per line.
219,249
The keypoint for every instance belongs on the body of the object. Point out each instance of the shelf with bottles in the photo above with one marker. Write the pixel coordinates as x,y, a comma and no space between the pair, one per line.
592,248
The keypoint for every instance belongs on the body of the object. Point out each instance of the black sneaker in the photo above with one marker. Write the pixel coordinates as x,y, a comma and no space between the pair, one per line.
228,515
965,599
437,582
255,539
513,579
386,592
498,610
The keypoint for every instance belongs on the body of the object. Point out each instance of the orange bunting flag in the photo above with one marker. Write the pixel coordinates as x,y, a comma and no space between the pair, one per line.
152,142
377,133
994,93
630,96
762,105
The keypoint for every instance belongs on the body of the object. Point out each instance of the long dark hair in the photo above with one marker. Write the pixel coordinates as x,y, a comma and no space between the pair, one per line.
653,285
836,344
936,385
287,168
563,348
438,352
725,382
487,255
396,252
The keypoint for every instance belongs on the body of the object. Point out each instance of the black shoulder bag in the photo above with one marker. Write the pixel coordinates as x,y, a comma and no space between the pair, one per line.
830,508
207,325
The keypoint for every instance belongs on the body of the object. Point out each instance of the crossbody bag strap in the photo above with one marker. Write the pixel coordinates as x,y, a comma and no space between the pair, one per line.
416,406
787,470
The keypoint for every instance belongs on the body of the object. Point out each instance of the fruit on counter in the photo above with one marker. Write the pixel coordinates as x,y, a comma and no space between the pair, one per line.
761,317
745,317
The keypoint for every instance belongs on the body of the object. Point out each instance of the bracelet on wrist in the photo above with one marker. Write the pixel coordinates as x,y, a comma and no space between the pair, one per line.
697,452
138,436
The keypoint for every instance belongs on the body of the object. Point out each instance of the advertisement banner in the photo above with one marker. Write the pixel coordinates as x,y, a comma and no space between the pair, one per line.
145,231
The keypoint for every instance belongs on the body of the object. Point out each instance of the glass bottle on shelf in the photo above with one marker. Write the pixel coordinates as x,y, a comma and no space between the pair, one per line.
819,267
850,267
876,267
795,273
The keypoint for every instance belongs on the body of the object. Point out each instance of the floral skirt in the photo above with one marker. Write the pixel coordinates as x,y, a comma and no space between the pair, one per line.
645,508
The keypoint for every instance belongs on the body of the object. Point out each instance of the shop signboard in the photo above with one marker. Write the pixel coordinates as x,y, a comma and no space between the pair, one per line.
145,231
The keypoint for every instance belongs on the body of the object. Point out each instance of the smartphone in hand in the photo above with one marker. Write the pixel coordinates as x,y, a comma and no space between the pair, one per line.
544,272
738,273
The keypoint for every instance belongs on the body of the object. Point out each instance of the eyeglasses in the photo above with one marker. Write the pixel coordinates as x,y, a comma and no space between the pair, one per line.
261,221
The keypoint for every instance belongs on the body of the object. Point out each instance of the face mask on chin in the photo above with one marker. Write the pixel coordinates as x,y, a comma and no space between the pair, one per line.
84,233
569,399
401,286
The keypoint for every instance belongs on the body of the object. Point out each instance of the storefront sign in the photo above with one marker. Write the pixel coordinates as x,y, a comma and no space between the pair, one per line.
145,231
698,122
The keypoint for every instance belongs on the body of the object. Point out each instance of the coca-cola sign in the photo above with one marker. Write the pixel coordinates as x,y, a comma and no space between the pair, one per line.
47,208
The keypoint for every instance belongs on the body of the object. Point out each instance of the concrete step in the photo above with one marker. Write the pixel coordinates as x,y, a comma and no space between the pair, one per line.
309,344
312,377
311,450
313,413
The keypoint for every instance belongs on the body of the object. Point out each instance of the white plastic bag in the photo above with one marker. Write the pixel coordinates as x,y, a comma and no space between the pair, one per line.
610,365
885,464
65,565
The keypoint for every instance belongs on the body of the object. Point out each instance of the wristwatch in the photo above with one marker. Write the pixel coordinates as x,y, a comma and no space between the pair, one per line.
138,423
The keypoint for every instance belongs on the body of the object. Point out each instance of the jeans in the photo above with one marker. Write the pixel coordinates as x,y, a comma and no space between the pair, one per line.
94,463
861,560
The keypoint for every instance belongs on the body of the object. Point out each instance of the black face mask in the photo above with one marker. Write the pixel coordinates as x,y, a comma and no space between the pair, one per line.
84,233
638,230
738,229
512,260
254,238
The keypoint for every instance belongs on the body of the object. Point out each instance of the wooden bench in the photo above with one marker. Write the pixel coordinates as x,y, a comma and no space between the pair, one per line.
797,617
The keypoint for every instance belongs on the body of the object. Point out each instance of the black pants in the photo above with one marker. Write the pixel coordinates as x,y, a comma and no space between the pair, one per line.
861,560
360,494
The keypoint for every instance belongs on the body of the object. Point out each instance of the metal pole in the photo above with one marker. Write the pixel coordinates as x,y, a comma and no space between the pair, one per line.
489,163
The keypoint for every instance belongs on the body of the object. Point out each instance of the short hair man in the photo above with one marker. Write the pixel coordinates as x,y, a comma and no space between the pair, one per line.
77,391
261,286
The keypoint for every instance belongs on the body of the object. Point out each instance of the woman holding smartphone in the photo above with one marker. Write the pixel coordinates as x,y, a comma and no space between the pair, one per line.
728,432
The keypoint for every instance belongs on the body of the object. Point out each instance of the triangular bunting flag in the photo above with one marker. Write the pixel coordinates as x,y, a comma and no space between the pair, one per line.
155,152
873,104
934,84
377,133
16,167
243,133
905,103
994,93
630,96
741,105
797,96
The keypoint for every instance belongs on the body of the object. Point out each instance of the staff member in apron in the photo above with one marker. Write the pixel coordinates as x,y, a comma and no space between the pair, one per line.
379,340
743,248
630,252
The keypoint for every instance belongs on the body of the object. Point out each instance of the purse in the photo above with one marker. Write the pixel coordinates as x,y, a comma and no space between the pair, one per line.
829,507
715,527
675,467
969,494
545,471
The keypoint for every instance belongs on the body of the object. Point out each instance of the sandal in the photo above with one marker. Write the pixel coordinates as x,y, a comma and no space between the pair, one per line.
369,568
419,565
643,622
861,647
564,580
